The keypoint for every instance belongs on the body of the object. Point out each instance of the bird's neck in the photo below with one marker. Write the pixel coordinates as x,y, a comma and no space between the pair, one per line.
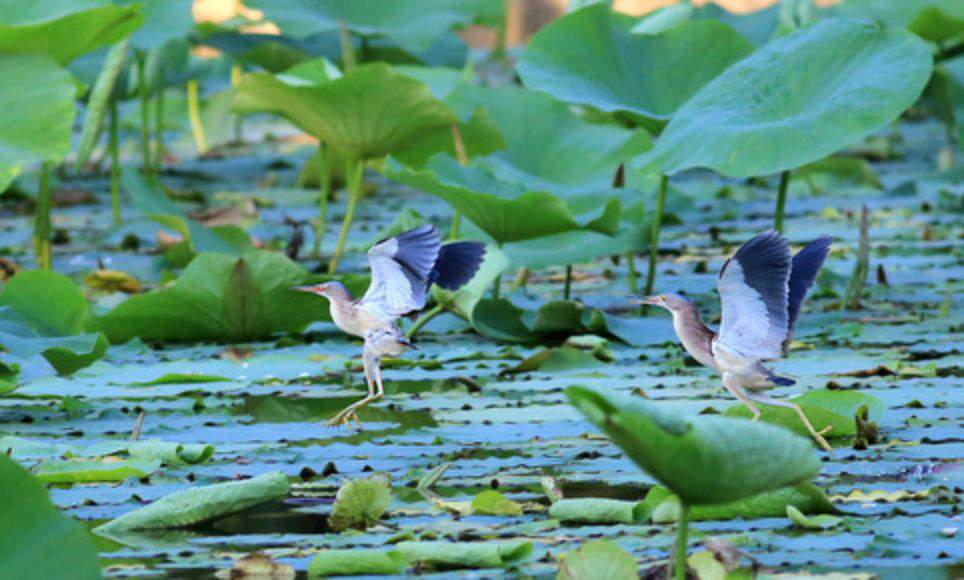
696,337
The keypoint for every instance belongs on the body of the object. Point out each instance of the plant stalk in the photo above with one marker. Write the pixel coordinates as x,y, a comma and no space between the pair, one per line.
41,228
679,564
633,275
324,191
567,289
347,50
158,130
238,117
194,114
354,169
424,319
115,166
463,160
145,112
654,234
858,279
497,285
781,201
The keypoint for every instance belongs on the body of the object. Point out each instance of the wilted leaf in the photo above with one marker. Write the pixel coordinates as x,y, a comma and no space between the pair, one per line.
821,522
597,559
360,503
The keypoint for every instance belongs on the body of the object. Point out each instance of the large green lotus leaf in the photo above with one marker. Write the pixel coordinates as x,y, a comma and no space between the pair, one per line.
36,112
9,376
64,29
661,506
505,211
934,20
36,540
798,99
548,147
163,20
592,57
66,354
199,504
368,112
824,408
220,297
414,24
50,303
704,459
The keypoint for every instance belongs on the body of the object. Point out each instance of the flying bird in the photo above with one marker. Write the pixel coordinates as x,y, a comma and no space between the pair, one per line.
403,268
761,289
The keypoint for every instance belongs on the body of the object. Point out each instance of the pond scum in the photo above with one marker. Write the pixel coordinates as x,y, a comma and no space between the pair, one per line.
163,391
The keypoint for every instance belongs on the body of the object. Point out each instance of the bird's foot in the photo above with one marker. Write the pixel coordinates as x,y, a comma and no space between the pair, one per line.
346,416
818,437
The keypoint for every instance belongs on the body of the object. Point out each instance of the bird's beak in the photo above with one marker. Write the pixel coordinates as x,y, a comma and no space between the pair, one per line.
309,289
650,300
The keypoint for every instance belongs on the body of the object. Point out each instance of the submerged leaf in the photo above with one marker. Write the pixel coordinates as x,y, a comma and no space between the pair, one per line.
360,503
198,504
36,540
597,559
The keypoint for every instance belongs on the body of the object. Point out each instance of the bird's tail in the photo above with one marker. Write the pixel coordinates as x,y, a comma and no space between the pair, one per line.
457,263
781,381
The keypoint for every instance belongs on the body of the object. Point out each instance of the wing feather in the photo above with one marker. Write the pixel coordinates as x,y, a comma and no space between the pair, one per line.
401,269
753,289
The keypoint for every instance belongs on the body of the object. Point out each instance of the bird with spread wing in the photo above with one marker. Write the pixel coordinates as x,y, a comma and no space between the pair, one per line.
761,289
403,269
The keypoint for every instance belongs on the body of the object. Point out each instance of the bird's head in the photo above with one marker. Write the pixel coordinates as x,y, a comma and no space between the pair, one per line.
330,290
671,302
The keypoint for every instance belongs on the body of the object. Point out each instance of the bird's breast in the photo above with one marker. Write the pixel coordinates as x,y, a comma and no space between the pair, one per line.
356,320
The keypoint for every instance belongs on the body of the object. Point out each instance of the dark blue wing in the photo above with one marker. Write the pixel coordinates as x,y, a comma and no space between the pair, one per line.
457,263
803,271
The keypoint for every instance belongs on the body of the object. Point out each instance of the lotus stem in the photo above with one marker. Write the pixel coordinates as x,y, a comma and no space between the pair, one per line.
456,219
497,284
654,234
324,191
238,117
194,114
347,50
354,168
568,286
633,275
463,159
781,201
41,228
858,279
424,319
158,129
115,166
679,564
145,113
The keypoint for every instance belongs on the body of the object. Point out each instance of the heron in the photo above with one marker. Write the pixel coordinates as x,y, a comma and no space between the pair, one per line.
403,268
761,290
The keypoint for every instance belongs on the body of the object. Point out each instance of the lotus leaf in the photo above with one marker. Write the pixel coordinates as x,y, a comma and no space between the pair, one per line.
934,20
65,29
356,562
92,470
704,459
361,502
593,57
37,101
455,555
808,99
597,559
36,540
834,409
199,504
220,297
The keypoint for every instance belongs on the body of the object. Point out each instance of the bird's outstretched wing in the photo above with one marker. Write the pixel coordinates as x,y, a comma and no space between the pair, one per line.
803,271
401,267
753,289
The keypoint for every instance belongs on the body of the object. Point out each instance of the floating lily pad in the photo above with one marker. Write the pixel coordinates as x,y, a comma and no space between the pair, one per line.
36,540
169,452
198,504
662,506
91,470
813,81
597,559
360,503
220,297
456,555
355,562
821,522
704,459
593,57
493,503
598,511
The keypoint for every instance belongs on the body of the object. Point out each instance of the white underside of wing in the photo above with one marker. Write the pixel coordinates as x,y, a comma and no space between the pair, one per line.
746,330
390,294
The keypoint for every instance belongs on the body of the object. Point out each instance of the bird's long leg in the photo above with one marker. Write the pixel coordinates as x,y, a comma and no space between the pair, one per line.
378,379
817,436
732,384
345,416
